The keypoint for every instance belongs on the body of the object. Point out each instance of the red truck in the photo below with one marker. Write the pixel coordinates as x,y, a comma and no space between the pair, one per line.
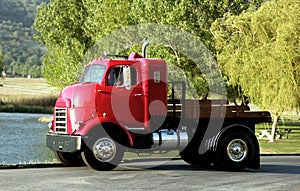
123,105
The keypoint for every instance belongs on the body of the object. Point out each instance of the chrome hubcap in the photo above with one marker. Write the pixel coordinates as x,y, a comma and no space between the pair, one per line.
237,150
104,149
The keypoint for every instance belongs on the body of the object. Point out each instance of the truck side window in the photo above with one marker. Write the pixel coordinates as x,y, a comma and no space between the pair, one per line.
115,77
133,76
111,78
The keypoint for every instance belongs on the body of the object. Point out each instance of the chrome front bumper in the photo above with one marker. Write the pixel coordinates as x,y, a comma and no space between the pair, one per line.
63,143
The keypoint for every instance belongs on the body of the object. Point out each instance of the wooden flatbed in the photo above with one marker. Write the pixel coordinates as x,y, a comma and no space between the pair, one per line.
204,109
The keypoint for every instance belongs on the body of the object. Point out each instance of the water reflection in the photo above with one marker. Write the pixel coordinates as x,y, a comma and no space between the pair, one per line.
23,139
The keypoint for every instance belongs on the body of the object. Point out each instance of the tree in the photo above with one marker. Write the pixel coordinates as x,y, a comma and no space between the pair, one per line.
105,16
73,26
259,50
59,27
194,17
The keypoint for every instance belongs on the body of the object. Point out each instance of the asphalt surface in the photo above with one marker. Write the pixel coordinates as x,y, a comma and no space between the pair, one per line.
276,173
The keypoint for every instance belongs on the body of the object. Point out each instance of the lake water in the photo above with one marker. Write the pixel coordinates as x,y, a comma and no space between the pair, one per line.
23,139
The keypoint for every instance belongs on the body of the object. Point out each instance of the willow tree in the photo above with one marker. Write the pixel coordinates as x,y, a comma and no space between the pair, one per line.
260,51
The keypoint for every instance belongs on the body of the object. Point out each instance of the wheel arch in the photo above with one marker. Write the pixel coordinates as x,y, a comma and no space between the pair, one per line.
112,129
109,127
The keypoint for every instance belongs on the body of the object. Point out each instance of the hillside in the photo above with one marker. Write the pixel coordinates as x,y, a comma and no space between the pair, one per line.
21,53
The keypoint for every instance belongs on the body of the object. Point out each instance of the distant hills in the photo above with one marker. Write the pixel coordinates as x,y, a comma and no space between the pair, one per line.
21,53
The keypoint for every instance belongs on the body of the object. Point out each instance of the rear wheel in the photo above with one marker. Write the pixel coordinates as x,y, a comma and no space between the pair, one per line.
235,150
102,152
69,159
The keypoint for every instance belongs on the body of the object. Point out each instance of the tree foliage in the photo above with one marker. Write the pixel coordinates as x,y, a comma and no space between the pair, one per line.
194,17
59,27
73,26
260,50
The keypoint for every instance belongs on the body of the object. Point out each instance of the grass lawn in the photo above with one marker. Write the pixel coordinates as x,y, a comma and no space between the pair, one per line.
24,86
285,145
26,95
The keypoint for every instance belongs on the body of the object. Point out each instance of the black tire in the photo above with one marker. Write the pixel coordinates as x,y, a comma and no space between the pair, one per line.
235,150
101,152
69,159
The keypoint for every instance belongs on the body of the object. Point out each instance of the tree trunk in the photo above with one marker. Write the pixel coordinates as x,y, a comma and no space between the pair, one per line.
274,127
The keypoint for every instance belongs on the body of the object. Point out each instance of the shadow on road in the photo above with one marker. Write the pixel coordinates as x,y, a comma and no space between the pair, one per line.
174,165
279,169
265,168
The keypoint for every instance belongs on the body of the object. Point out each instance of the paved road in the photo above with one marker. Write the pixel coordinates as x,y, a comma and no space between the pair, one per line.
276,173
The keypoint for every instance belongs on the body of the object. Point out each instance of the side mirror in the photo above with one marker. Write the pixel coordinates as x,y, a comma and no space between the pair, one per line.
127,77
157,76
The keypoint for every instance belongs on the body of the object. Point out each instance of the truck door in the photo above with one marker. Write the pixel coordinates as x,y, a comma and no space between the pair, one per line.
124,100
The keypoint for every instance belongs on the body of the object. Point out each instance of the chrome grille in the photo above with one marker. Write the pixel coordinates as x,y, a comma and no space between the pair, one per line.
61,120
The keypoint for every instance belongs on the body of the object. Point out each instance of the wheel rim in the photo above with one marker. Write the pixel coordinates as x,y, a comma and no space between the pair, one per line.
237,150
104,149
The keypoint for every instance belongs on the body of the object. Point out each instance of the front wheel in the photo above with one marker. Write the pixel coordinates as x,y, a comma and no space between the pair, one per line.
236,150
102,153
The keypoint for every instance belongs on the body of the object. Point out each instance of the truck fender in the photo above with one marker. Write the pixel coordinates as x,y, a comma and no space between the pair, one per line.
104,123
231,128
240,128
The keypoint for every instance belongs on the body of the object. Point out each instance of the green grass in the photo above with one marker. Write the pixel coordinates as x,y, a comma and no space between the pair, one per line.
26,95
284,145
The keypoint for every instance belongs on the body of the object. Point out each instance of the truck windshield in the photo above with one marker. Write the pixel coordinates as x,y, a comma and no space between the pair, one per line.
93,73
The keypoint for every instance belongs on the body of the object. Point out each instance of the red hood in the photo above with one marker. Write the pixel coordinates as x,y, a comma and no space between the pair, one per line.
80,94
80,100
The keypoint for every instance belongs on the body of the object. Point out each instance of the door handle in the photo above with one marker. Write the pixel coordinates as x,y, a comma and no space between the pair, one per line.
138,94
